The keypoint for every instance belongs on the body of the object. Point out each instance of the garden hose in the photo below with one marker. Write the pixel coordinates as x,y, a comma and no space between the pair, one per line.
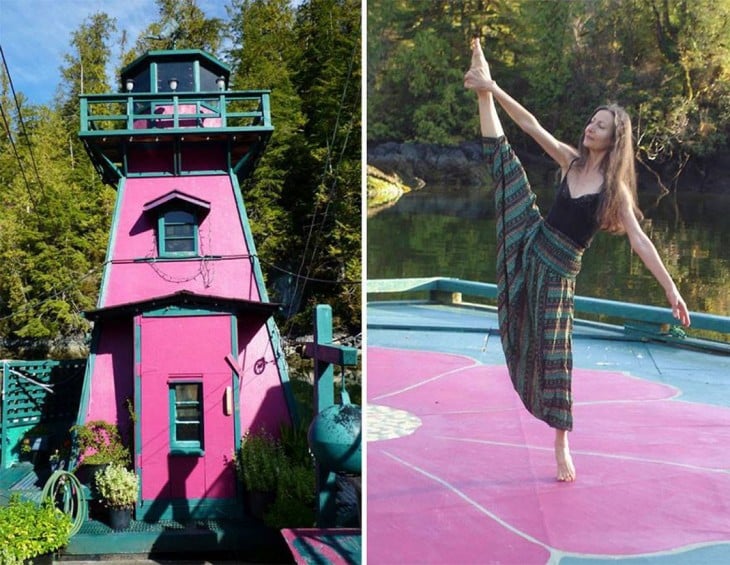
67,494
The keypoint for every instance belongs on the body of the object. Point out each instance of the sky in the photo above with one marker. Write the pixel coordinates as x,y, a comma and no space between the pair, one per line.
36,34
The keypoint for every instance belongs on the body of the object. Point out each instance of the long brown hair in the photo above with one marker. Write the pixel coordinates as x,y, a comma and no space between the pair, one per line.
618,172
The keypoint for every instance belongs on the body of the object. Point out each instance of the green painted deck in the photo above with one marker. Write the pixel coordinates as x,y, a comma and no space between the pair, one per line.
230,539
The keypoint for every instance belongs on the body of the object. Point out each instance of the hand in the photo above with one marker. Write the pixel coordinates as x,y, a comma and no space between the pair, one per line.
679,308
479,80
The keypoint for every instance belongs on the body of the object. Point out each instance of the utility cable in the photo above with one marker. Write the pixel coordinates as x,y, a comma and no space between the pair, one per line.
20,118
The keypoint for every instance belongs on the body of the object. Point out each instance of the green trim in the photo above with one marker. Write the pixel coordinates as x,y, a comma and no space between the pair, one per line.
196,76
273,330
248,237
175,54
177,311
186,447
181,509
5,447
110,244
88,375
163,222
236,387
138,405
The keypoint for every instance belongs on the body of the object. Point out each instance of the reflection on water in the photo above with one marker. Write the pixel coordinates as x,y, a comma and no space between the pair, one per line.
446,231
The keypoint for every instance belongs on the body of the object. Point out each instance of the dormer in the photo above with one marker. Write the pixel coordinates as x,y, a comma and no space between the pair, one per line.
177,217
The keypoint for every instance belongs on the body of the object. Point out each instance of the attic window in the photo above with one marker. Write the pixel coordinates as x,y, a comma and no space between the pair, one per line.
177,234
178,219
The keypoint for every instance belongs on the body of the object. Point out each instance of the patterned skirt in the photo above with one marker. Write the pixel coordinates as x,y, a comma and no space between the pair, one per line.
536,270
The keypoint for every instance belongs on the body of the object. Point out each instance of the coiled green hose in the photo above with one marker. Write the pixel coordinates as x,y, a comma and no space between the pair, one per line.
67,494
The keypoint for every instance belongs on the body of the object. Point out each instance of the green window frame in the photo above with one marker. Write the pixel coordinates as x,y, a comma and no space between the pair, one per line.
178,234
186,417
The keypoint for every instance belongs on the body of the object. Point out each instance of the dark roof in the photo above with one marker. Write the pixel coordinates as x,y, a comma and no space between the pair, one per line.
261,310
179,199
176,55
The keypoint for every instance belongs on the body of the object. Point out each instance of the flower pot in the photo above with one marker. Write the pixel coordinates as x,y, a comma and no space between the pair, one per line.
119,518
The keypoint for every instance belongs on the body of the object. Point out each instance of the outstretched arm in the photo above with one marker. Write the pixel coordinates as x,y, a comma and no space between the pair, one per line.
479,79
645,249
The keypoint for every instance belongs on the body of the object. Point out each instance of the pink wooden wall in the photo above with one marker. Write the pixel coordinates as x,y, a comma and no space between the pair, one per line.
221,234
261,396
112,379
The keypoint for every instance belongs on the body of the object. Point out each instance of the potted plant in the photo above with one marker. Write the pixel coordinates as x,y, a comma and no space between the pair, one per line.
30,533
34,444
258,463
98,444
118,488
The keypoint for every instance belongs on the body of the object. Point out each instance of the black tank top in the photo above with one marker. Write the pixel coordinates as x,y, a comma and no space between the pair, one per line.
575,217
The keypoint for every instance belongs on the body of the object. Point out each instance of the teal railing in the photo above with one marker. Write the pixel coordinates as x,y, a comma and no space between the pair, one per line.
40,401
104,114
637,318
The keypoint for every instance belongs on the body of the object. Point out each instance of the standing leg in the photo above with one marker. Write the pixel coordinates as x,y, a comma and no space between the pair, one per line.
566,469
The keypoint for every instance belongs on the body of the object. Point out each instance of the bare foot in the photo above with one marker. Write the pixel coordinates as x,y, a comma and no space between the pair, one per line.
566,469
478,61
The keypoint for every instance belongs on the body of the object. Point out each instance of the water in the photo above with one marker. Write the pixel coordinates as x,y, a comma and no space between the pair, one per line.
450,232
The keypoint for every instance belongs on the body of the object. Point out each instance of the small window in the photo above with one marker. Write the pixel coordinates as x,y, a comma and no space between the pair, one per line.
186,418
178,234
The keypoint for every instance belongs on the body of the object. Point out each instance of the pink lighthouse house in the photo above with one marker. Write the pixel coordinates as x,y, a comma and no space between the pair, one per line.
183,329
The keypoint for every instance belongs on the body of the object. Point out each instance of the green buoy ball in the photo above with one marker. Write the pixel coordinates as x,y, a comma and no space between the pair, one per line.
335,438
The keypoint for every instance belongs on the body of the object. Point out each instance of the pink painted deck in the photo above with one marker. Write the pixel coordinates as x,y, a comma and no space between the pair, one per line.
315,546
459,472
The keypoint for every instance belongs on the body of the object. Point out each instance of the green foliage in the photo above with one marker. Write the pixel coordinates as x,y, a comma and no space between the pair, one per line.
668,63
295,444
99,442
259,461
193,29
303,199
285,467
117,486
28,530
295,499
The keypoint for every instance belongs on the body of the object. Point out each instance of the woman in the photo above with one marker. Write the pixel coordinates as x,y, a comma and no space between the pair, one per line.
538,259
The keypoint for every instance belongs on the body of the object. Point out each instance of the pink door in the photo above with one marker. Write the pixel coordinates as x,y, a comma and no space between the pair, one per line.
185,425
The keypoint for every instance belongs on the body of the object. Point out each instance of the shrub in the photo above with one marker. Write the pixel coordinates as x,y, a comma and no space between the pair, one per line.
259,461
99,442
294,506
28,529
117,486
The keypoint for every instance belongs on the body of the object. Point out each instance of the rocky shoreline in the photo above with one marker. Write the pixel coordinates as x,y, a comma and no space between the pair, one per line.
418,163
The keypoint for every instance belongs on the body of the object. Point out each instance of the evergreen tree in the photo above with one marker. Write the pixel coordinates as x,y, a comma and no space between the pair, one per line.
181,25
304,197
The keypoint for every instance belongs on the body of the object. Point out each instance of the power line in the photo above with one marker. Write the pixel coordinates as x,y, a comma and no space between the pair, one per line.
17,155
327,167
20,118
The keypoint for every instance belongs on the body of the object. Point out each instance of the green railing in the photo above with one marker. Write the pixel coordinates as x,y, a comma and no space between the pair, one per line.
637,318
40,401
104,114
